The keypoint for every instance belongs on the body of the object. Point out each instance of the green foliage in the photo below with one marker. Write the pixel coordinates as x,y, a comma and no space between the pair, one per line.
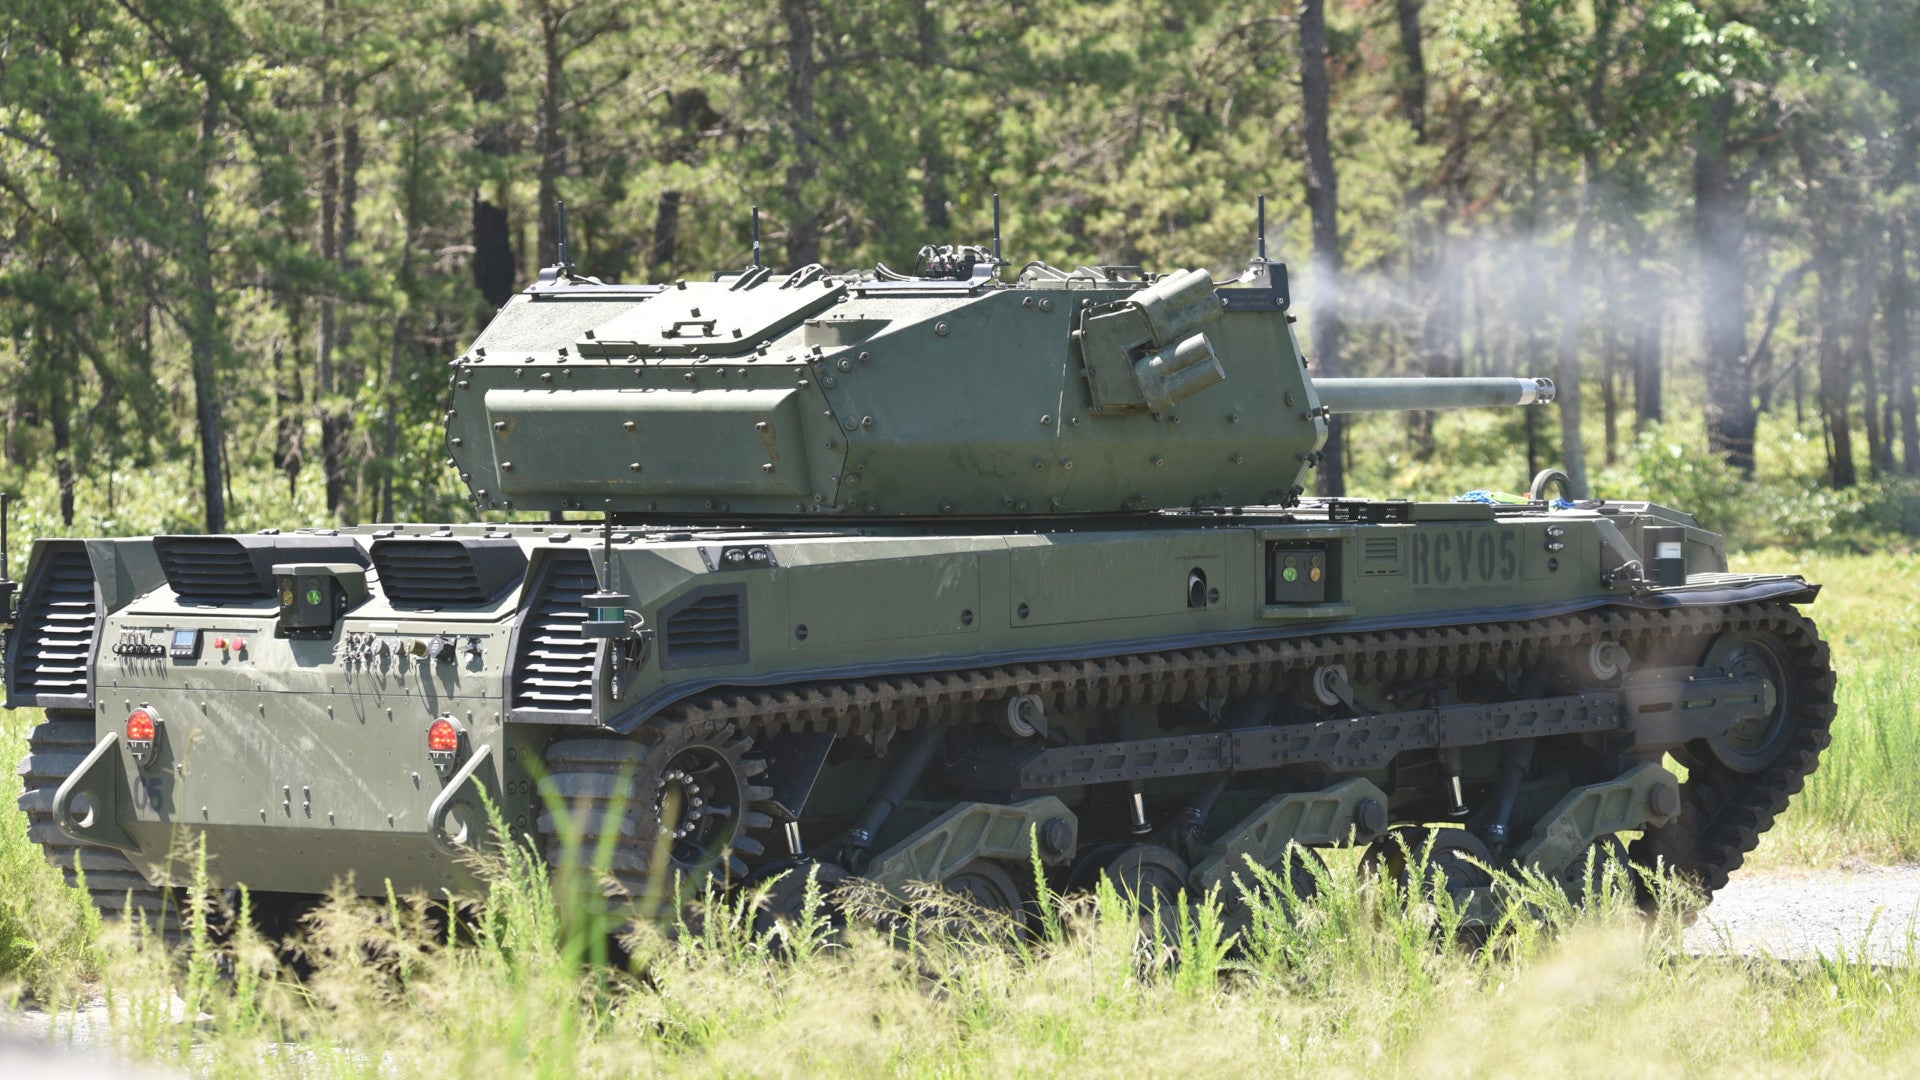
1787,506
242,237
47,930
1363,977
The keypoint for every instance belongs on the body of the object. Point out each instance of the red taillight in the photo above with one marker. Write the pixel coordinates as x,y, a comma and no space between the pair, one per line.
443,737
140,726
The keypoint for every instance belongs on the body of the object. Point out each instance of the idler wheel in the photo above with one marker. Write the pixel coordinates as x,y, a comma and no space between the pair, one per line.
1739,781
1756,742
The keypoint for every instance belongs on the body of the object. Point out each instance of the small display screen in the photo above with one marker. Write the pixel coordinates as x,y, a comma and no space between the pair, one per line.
185,639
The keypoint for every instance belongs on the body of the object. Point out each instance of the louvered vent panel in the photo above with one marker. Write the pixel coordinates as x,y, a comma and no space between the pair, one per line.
428,572
553,660
53,641
1380,555
211,569
706,629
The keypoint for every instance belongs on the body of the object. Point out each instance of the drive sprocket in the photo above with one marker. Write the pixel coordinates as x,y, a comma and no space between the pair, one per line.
680,799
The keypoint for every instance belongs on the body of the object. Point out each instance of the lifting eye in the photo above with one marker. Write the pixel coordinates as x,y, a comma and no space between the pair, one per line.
1196,588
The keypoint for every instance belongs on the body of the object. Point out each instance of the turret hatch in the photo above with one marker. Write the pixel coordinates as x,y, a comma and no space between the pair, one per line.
725,318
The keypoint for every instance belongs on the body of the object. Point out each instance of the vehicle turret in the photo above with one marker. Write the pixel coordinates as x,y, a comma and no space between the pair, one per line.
881,395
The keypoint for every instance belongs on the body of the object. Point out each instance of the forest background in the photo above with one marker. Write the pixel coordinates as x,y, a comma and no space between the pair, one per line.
240,239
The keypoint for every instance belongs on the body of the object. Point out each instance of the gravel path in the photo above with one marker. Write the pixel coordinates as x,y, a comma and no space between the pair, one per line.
1801,914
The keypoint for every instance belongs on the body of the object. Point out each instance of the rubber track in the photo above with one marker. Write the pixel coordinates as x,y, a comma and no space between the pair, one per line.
1724,816
54,749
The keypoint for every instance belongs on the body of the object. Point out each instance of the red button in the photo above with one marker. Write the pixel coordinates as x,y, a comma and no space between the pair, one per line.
220,643
239,645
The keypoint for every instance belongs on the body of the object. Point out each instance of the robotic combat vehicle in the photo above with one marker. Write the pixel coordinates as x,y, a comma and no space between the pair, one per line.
908,576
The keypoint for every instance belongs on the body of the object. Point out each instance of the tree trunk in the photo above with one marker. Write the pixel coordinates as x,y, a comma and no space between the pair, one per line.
803,234
935,164
666,235
1439,322
323,374
1900,344
1879,453
1720,234
289,396
1573,449
1609,400
204,317
1413,93
402,333
56,358
1836,379
1648,319
1323,204
339,191
493,266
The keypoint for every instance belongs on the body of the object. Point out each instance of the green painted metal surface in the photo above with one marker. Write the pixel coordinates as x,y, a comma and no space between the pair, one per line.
855,397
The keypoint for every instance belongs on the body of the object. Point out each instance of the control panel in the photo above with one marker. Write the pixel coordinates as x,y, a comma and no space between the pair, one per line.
186,645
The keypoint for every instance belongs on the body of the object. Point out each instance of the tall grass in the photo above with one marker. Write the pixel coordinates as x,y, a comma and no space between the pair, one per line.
1363,978
47,930
1863,804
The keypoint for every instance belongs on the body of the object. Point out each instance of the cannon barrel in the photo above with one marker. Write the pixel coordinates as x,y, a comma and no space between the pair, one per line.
1409,395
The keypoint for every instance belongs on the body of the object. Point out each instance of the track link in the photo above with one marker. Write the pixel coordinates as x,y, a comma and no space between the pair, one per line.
54,749
877,707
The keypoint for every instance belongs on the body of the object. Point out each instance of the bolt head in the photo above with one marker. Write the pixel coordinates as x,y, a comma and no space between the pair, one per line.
1055,836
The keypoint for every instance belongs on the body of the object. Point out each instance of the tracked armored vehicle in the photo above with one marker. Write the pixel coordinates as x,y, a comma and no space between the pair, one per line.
908,576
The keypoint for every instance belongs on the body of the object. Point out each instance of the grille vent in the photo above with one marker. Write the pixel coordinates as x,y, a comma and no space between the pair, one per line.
239,569
1380,555
215,569
52,645
446,573
707,627
553,658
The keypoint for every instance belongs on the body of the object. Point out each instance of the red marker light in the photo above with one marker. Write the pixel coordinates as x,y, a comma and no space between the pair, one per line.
140,726
443,737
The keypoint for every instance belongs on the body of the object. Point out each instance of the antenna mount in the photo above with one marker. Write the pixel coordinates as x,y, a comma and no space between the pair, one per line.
561,261
1260,229
997,260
